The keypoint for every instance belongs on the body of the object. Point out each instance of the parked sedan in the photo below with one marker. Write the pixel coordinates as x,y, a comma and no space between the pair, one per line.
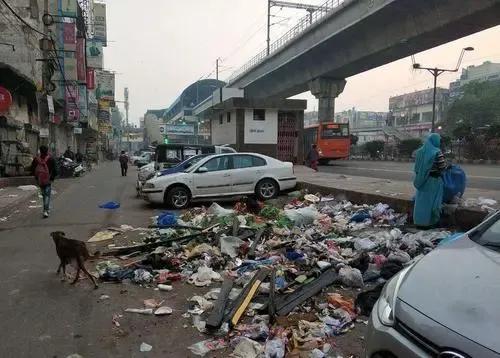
446,304
223,175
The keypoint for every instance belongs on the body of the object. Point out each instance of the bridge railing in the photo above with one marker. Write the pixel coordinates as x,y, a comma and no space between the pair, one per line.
304,24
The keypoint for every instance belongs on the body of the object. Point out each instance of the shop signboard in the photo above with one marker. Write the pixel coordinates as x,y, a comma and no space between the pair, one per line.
68,8
90,78
105,82
94,54
174,129
80,60
100,32
69,36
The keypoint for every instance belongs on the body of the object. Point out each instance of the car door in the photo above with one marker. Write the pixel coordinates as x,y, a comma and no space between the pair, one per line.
217,180
247,170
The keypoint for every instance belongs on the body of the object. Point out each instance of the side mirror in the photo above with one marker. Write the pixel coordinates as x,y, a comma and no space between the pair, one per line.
202,170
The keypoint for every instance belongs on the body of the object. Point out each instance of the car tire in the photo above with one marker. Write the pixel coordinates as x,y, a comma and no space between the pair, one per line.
178,197
266,189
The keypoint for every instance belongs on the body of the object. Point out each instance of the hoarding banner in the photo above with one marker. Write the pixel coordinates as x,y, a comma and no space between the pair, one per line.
100,23
68,8
72,112
82,102
90,78
178,129
105,127
80,60
70,67
104,115
94,54
105,81
69,36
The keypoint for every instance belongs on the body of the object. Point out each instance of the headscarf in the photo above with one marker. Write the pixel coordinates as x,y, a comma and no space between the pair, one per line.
425,159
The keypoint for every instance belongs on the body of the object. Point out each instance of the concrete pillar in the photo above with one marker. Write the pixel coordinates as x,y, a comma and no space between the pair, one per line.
326,90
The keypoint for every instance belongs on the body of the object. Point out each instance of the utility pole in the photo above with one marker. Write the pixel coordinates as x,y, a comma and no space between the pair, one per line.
217,69
435,72
126,118
270,3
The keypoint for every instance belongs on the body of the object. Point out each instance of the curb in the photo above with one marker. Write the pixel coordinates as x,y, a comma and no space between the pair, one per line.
462,217
16,181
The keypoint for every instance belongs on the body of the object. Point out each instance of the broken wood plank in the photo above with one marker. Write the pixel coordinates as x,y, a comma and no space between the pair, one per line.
251,252
214,320
241,302
272,296
287,303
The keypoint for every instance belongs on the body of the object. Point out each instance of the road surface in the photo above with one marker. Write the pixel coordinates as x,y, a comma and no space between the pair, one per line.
478,176
43,317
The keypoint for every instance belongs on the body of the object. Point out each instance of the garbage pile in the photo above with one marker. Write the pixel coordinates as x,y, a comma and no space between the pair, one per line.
266,268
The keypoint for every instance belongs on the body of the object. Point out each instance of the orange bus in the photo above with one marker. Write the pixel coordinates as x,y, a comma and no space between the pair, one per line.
333,140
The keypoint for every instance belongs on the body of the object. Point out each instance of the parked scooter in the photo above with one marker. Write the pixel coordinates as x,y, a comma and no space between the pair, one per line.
68,168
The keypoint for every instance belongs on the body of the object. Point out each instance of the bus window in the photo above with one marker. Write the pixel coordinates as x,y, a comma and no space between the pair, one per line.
334,130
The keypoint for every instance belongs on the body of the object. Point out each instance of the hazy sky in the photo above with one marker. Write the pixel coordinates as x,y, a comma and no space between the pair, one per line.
159,47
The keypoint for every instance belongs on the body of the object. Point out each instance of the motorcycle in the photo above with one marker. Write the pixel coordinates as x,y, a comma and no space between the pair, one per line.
68,168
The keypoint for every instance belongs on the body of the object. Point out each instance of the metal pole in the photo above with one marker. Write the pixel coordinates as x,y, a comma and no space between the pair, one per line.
435,73
217,69
268,26
126,118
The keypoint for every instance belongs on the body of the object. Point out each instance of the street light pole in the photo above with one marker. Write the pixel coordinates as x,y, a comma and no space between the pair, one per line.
435,72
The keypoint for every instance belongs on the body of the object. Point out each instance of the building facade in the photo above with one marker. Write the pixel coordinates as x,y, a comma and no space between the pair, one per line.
488,71
412,112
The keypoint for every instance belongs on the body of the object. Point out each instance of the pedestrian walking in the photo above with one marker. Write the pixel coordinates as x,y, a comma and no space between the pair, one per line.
123,163
429,166
79,157
69,154
44,169
313,157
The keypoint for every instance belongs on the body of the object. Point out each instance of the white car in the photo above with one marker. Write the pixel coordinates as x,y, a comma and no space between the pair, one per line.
223,175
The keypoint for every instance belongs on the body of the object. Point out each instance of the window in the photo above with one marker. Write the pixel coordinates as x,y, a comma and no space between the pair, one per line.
415,118
334,130
221,119
247,161
228,117
427,117
259,114
217,164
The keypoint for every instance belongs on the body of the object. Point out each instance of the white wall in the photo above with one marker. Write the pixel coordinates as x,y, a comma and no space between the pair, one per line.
261,132
224,133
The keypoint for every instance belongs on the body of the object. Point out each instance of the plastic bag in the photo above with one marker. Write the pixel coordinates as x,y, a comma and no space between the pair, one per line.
364,244
206,346
379,210
247,348
360,216
166,219
351,277
204,276
217,210
454,180
275,348
110,205
302,216
229,245
142,276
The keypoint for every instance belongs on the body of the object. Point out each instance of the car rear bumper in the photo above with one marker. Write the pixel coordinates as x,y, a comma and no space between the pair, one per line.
385,342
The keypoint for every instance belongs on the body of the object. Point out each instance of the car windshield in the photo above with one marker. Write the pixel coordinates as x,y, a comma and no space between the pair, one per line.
190,162
489,236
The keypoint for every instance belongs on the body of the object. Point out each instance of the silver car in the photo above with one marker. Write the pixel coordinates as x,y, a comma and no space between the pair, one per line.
446,305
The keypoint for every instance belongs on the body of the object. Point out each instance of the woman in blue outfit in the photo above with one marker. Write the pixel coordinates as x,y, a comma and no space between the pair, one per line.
429,165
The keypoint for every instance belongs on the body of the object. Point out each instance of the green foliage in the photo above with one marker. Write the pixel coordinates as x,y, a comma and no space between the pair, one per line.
270,212
374,148
477,110
407,146
354,139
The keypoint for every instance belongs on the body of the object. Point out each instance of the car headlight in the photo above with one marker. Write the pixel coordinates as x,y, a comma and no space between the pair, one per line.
387,300
149,186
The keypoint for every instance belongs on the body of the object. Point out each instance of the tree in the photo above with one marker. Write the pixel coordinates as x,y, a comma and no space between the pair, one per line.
478,108
375,148
354,139
407,146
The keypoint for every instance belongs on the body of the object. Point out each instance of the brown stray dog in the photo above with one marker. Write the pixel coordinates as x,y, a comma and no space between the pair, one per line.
68,250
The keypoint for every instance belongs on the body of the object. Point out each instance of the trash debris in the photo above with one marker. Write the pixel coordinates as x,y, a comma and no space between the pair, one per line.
145,311
103,236
104,297
28,187
163,310
206,346
109,205
144,347
284,278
